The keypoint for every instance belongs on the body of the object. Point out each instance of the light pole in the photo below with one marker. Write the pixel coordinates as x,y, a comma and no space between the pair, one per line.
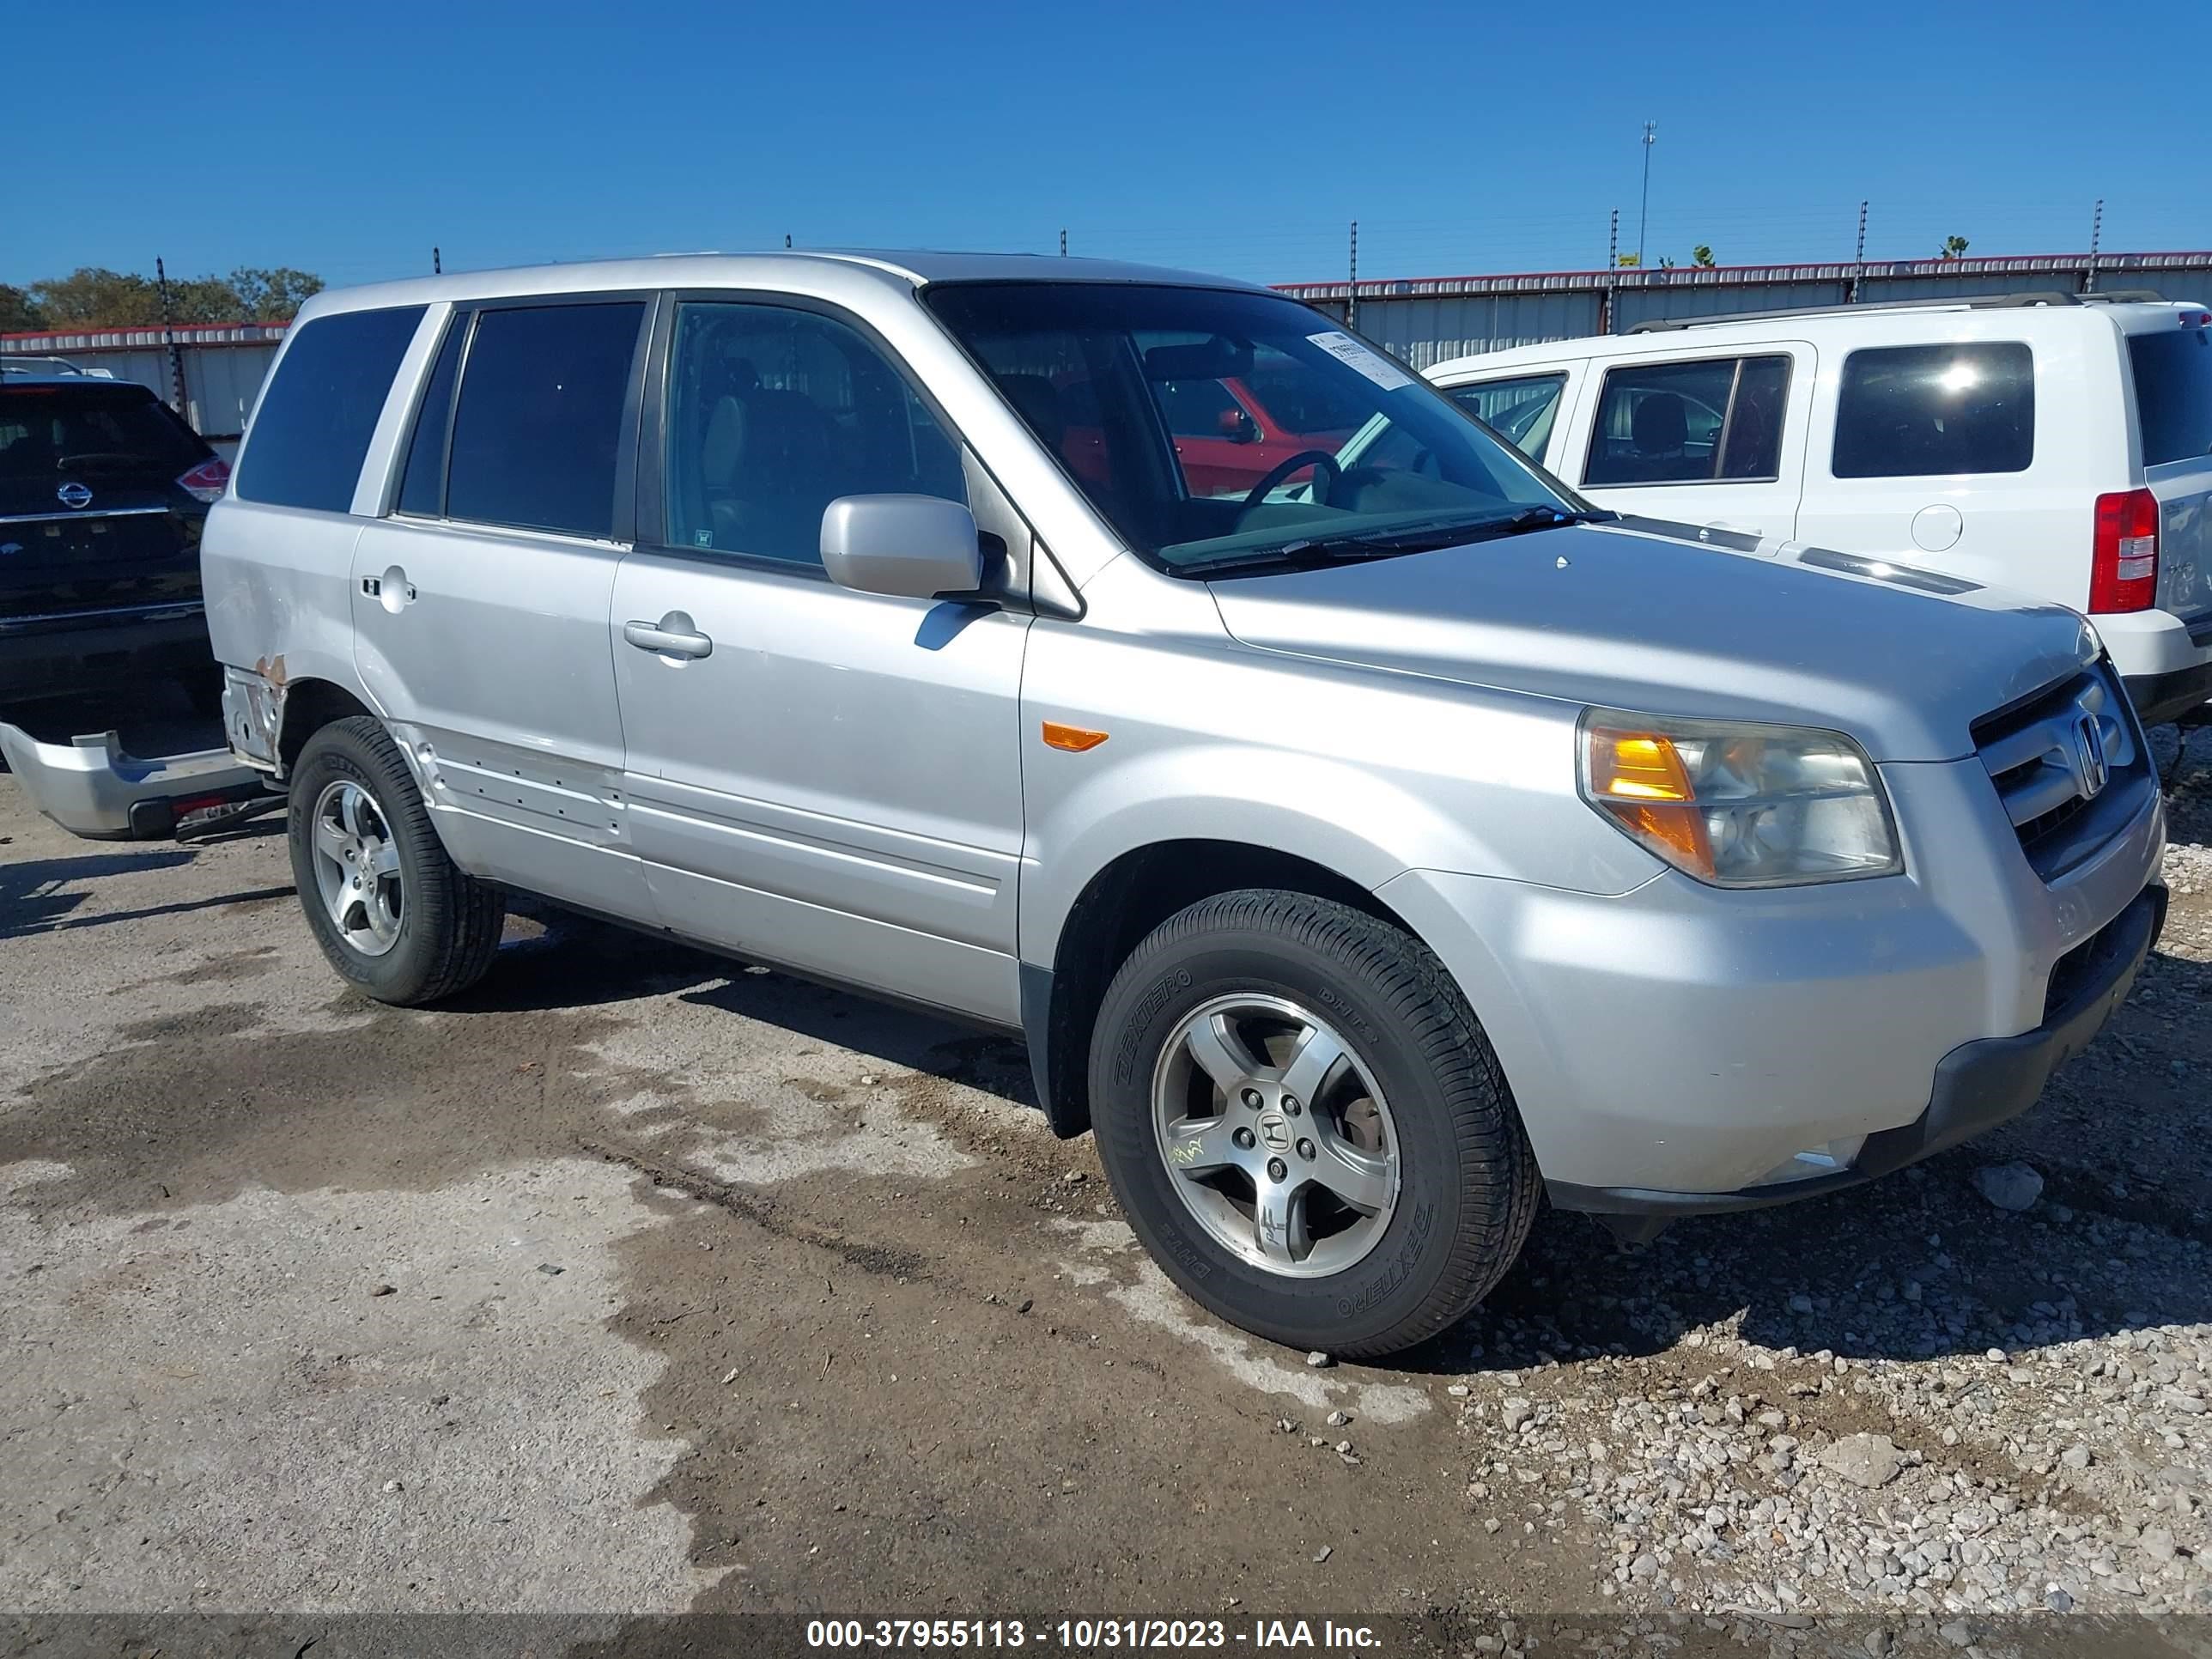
1644,212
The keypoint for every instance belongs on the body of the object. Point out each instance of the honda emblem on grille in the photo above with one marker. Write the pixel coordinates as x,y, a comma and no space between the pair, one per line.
74,494
2090,767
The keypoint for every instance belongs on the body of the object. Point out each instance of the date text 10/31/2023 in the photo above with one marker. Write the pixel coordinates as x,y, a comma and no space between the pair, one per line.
1088,1635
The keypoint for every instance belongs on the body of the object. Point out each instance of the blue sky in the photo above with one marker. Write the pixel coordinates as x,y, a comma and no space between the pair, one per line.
347,139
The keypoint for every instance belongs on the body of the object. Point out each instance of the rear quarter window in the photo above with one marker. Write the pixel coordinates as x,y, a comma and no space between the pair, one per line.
2172,370
312,429
1931,410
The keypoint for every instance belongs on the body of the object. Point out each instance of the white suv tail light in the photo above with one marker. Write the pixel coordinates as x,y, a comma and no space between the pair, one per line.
2124,570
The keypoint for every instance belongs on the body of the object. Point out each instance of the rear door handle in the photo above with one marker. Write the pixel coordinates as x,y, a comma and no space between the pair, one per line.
674,635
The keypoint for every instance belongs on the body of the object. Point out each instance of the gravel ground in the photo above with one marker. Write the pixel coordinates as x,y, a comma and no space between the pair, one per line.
644,1282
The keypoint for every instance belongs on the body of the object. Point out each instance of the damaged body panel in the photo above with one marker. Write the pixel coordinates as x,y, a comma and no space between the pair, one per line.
93,788
254,712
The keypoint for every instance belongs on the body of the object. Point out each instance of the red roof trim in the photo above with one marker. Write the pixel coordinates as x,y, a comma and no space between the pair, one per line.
2106,262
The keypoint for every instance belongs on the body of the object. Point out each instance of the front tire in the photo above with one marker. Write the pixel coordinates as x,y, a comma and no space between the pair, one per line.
392,913
1306,1126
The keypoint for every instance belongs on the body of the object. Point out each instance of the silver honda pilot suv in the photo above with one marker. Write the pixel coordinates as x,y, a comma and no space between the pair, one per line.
1366,837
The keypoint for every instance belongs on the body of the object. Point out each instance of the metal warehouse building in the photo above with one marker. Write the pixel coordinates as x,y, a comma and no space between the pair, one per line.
1422,320
222,365
1427,319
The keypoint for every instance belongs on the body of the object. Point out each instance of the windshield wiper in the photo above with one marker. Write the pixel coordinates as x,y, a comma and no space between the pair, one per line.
1308,551
1537,518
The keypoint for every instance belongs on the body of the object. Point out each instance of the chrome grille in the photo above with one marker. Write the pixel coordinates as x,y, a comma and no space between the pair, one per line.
2068,767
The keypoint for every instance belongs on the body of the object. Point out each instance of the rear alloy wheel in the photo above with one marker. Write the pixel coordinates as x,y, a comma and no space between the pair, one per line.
357,867
392,912
1305,1124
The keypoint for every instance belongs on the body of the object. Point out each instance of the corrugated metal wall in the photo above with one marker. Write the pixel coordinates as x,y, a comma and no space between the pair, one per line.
221,382
224,367
1422,320
1426,321
1423,330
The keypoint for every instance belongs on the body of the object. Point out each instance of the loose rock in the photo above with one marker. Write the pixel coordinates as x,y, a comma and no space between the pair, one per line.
2008,1186
1870,1461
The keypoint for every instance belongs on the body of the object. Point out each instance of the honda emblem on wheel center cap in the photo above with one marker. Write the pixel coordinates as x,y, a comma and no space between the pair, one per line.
1275,1131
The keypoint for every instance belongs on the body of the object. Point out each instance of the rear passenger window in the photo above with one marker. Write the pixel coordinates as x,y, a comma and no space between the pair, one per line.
773,414
1521,411
1921,411
2173,393
1713,421
537,430
311,428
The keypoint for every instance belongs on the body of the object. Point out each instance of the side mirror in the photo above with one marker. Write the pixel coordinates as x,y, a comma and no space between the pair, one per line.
1239,427
914,546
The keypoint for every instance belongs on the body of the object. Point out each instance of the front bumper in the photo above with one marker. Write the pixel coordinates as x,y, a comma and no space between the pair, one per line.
1979,1084
1679,1039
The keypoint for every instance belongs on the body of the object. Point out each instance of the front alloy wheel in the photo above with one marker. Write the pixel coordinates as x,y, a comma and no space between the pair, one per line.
1278,1137
1305,1124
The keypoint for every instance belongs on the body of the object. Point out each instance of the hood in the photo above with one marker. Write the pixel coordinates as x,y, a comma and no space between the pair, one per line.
1621,618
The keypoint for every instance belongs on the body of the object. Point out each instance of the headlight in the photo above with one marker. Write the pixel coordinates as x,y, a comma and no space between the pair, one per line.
1739,805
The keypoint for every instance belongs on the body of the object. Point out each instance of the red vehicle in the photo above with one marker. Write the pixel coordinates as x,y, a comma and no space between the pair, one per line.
1228,438
1230,431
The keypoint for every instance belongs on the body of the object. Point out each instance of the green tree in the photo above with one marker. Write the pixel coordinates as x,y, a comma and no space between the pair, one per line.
19,312
203,299
94,297
272,296
1954,247
1702,256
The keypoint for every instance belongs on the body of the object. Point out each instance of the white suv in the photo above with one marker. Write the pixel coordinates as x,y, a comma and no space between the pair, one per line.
2056,447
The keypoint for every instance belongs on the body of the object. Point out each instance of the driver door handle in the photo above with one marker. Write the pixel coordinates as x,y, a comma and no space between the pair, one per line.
673,636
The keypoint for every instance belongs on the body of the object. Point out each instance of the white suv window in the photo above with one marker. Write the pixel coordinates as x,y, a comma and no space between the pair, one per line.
1716,421
1521,410
1929,410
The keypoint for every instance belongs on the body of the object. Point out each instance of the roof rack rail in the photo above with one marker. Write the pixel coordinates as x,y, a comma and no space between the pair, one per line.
1963,301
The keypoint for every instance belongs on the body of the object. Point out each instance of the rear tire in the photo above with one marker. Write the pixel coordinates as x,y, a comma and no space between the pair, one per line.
392,913
1360,1221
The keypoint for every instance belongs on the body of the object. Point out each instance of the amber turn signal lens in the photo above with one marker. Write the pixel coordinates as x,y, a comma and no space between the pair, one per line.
1073,739
1637,766
1638,778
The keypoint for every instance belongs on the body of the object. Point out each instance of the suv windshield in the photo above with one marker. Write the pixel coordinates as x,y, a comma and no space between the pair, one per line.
1101,373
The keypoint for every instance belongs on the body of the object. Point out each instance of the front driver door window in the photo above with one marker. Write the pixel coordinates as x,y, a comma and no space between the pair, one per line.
829,778
1521,410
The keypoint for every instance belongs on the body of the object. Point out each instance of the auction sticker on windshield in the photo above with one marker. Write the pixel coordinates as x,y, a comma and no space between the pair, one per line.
1373,364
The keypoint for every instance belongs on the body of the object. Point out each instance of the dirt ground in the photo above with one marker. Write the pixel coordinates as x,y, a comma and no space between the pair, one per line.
643,1281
